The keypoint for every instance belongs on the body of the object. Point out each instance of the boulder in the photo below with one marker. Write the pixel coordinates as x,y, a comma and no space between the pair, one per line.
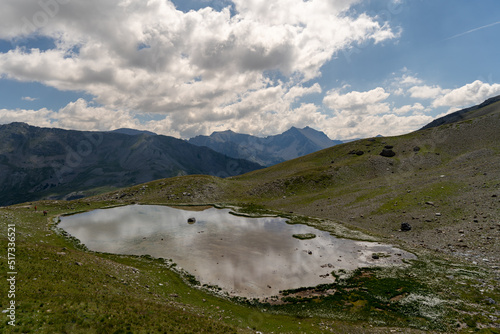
191,220
388,153
405,227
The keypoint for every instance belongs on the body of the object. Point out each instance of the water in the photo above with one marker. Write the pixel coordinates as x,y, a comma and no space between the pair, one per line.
248,257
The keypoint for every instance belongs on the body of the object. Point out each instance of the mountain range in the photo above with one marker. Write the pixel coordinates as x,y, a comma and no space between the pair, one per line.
37,163
442,184
270,150
40,163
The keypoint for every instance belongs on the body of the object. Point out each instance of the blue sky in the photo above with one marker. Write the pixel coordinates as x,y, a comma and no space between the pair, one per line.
350,68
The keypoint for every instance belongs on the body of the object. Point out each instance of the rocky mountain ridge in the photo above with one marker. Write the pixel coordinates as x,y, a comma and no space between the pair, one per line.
40,163
270,150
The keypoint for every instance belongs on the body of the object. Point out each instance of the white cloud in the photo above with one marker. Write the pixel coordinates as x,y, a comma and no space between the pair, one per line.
410,80
41,117
352,126
29,98
205,65
417,107
354,102
366,114
426,92
80,116
467,95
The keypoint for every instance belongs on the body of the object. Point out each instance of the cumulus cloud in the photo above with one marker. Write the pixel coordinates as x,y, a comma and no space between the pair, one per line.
76,115
467,95
41,117
427,92
29,98
417,107
354,102
410,80
79,115
366,114
206,65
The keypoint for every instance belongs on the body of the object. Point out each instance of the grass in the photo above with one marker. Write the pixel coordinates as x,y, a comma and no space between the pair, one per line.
62,288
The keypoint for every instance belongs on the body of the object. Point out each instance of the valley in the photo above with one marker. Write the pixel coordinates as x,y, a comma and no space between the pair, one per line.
443,182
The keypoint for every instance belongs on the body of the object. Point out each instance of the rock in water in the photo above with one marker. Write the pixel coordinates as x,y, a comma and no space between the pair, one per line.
405,227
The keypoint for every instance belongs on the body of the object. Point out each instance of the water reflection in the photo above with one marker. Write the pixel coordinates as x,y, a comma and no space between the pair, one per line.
251,257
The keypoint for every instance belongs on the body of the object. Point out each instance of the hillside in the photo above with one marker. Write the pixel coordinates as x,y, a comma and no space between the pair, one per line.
467,113
40,163
270,150
443,181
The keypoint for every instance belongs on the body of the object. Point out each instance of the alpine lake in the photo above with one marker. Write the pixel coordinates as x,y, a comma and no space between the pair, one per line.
251,257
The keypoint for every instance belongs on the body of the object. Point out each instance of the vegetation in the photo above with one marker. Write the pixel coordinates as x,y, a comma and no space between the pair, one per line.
447,190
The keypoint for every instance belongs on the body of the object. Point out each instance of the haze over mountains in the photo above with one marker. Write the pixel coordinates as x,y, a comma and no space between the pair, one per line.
270,150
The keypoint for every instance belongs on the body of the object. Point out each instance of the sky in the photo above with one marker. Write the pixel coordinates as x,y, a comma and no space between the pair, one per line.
349,68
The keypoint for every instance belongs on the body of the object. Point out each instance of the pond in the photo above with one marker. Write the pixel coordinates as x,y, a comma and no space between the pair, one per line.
247,257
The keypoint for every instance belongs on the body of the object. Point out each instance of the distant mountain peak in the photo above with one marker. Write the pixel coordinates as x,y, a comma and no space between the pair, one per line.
267,151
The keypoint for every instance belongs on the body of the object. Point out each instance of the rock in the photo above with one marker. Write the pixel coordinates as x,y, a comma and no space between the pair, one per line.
416,149
191,220
429,203
375,256
360,152
438,214
405,227
388,147
78,263
491,301
174,295
388,153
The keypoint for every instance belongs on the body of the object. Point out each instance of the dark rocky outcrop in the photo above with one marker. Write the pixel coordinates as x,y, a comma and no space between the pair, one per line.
357,152
388,153
405,227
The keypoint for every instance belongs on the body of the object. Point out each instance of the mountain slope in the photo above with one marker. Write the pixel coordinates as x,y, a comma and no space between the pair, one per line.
444,178
133,132
468,113
266,151
40,162
443,181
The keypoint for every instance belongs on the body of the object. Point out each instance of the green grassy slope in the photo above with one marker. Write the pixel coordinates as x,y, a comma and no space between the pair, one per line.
448,190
